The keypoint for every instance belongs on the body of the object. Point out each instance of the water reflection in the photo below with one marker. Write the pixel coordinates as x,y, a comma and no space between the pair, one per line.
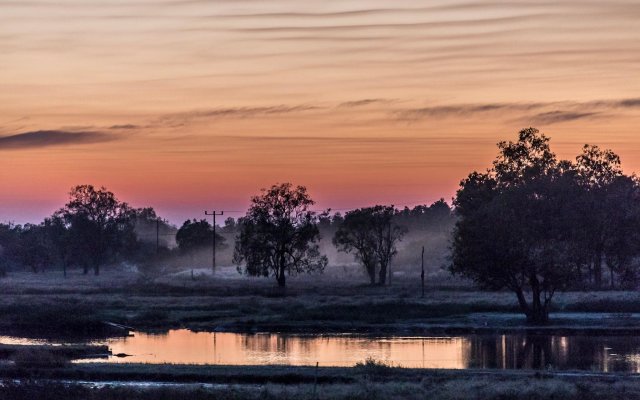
186,347
591,353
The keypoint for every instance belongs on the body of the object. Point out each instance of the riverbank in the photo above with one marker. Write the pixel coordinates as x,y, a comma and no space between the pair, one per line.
47,305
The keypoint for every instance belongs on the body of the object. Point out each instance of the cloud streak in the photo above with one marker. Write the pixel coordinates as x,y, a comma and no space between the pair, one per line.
543,113
47,138
179,119
554,117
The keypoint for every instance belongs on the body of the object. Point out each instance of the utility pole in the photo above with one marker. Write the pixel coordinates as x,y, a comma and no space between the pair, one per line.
422,274
389,244
213,260
157,235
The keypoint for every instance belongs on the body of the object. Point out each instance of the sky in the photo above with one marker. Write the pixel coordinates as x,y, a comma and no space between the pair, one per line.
187,105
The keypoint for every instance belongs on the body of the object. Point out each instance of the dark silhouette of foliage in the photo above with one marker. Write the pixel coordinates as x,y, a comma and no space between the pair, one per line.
516,224
32,250
100,225
371,233
279,234
355,234
195,235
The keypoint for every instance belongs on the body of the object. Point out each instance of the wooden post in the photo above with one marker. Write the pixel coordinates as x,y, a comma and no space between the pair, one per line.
315,381
422,274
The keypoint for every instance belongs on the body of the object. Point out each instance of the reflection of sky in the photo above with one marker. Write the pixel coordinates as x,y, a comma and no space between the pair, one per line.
606,354
362,101
182,346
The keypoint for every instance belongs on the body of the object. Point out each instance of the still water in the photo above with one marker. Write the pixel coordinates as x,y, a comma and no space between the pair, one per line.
513,351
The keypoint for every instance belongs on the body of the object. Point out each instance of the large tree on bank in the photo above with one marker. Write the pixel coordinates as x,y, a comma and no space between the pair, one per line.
279,235
516,226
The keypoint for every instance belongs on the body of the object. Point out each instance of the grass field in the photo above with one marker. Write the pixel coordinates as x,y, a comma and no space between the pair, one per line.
43,305
365,381
48,305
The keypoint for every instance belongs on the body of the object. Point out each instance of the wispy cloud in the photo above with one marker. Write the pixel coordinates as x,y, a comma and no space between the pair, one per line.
537,113
179,119
124,126
628,103
462,109
363,102
554,117
36,139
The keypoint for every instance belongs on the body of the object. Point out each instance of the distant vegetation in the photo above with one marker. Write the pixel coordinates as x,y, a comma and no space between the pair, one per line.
532,224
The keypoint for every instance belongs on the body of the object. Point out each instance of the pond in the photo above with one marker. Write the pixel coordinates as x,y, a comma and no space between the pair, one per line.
510,351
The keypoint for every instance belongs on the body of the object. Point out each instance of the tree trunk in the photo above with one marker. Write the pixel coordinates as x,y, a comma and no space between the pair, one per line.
597,270
280,277
372,275
612,277
539,314
382,275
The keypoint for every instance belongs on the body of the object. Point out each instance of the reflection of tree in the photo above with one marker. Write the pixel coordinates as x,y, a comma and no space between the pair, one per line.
535,352
541,351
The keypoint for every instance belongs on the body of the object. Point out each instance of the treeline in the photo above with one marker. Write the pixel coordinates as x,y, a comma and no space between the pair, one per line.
95,229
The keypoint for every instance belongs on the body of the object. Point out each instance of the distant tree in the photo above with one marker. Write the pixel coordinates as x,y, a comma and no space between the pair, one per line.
435,218
195,235
151,231
230,225
279,234
387,234
32,250
59,243
356,234
372,234
596,171
9,240
100,225
516,224
621,244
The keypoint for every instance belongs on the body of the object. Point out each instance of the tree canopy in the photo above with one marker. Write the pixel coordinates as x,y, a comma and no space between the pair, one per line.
100,225
371,234
531,223
279,234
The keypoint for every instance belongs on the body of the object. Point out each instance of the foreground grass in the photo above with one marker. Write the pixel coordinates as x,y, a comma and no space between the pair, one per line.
391,384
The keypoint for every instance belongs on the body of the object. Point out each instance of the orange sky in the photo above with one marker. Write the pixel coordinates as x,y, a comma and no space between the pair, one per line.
191,104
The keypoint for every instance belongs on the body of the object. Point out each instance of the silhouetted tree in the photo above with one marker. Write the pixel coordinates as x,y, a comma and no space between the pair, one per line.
59,240
195,235
279,234
32,250
621,245
596,171
100,225
152,232
515,227
356,234
230,225
436,218
9,240
387,234
372,234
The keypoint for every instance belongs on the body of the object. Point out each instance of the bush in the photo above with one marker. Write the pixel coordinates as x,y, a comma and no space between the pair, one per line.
373,368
